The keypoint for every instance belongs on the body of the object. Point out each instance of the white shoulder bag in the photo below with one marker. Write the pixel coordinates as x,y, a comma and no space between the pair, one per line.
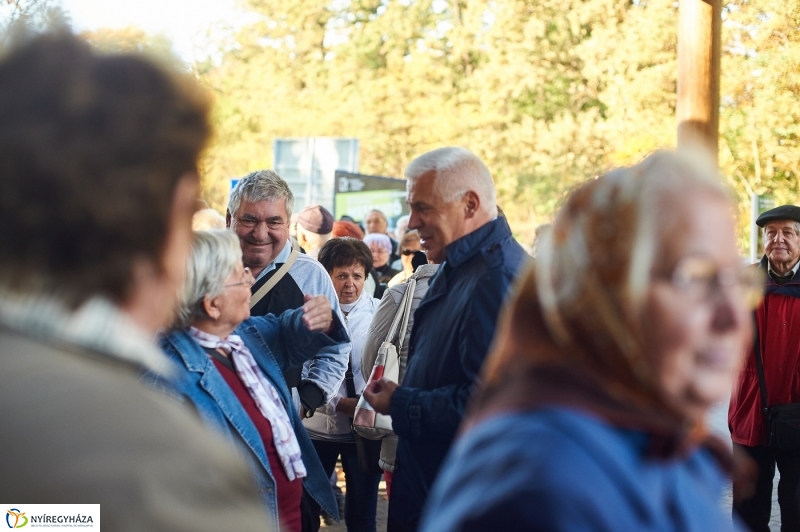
367,422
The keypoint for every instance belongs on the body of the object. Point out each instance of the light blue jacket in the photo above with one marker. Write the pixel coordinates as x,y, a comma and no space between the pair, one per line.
275,342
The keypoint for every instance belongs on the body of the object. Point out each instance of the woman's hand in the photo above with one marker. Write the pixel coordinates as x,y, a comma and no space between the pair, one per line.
347,405
317,313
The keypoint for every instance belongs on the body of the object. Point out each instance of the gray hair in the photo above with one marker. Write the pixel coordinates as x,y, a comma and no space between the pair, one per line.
259,186
214,257
457,171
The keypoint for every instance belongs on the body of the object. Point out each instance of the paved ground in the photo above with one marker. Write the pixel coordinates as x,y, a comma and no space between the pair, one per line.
718,423
383,506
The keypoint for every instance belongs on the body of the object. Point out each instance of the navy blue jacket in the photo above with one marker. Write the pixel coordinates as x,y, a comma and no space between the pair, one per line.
453,328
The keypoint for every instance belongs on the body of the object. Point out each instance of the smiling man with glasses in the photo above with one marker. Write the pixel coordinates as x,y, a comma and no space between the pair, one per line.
259,210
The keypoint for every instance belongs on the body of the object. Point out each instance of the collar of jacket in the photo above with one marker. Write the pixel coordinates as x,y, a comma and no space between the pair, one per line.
791,288
469,245
765,265
193,356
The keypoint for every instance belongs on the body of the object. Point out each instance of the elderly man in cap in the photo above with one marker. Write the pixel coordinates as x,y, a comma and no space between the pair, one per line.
770,376
314,228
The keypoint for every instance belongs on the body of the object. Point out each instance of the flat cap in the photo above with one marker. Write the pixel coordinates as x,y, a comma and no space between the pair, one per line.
784,212
317,219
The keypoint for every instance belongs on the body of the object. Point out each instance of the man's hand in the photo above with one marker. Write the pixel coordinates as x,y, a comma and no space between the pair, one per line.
379,395
317,313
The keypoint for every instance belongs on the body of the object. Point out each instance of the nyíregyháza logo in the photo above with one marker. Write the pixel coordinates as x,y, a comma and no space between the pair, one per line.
17,516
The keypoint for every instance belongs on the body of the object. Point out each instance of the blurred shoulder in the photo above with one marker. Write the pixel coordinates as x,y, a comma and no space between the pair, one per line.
118,440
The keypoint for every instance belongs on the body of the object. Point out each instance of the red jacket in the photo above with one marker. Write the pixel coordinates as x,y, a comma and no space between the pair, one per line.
778,343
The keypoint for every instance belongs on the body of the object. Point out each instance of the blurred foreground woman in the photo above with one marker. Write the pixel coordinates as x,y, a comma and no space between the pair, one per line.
629,327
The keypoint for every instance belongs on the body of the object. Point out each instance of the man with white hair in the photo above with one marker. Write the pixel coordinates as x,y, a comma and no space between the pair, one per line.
453,207
259,211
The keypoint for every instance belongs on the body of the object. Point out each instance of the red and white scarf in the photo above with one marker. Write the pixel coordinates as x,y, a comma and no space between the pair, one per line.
265,396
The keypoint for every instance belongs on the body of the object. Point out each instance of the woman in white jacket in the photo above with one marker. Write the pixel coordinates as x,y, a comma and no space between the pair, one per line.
381,323
348,260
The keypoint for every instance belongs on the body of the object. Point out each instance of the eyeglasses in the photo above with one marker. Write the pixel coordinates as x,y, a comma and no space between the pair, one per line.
248,279
252,223
699,278
408,252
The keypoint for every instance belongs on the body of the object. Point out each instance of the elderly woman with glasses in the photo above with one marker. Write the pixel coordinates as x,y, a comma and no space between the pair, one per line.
629,327
229,367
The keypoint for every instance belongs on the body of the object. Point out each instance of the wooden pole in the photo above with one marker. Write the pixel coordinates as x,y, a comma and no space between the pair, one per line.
698,74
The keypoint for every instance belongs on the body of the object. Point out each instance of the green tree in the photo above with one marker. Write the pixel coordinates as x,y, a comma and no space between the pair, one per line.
549,93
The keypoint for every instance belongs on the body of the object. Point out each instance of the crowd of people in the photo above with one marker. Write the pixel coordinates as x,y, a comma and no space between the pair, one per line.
191,380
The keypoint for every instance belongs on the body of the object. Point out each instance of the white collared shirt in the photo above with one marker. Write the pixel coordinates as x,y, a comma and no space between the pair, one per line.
771,271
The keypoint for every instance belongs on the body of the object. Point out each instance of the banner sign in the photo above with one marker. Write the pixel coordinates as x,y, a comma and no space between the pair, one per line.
357,194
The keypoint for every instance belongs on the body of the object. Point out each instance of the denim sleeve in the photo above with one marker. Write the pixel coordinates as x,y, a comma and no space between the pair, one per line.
327,367
290,342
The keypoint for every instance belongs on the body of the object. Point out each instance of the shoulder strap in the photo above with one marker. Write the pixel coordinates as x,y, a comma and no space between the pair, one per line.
272,281
408,299
398,316
348,380
760,371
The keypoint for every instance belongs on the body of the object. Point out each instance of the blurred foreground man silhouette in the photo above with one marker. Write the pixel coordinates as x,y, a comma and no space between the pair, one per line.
87,144
453,207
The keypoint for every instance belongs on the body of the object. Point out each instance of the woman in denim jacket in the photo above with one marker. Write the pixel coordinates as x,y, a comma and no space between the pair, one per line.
229,367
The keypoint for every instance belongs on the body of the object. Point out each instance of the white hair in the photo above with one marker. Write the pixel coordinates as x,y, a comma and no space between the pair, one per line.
205,219
259,186
401,226
380,239
214,257
457,171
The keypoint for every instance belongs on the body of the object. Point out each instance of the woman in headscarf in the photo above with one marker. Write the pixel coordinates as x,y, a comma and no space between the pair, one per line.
230,368
628,328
